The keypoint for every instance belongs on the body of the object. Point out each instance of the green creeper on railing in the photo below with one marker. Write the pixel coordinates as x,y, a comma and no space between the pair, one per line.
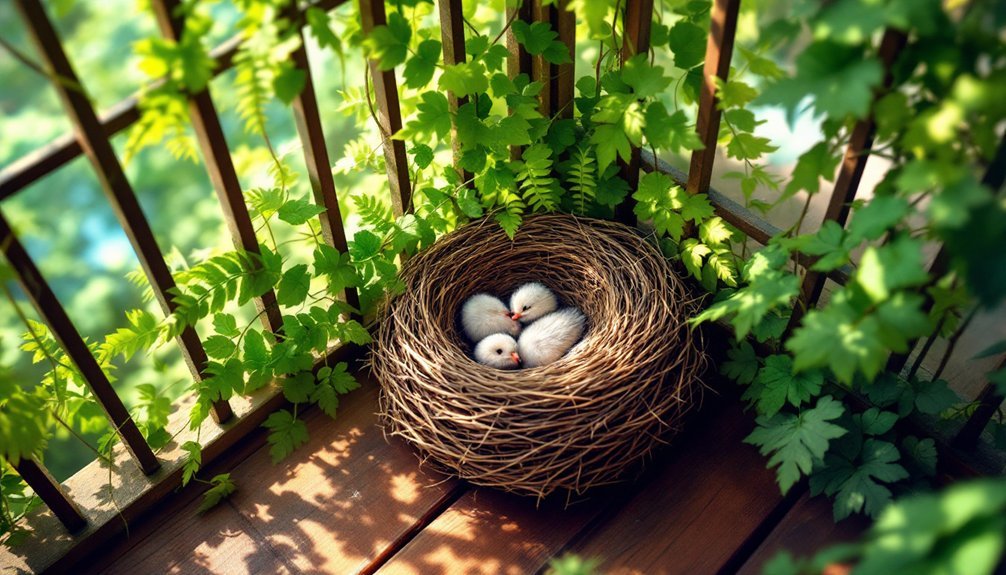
935,123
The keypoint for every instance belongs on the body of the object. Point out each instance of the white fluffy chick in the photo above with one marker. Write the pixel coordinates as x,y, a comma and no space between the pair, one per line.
549,338
483,315
498,350
532,301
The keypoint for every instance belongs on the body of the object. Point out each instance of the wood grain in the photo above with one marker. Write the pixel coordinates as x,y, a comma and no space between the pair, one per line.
806,529
704,503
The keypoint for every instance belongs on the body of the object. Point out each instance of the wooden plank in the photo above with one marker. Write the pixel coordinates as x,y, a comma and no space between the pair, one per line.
52,313
220,165
452,35
49,548
488,532
340,501
339,504
705,502
389,114
849,175
51,492
719,51
114,183
319,168
806,529
637,23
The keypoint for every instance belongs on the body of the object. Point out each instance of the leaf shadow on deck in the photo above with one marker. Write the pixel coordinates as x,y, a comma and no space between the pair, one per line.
349,501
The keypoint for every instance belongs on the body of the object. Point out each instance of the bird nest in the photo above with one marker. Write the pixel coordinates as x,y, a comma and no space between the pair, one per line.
577,423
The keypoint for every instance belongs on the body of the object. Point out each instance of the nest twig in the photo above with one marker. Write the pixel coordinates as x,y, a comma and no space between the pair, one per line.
576,423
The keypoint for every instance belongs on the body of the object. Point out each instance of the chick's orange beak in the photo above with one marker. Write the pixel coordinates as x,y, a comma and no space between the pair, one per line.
515,315
515,357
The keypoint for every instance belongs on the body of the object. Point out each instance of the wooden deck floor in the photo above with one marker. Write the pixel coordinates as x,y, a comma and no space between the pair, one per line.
350,502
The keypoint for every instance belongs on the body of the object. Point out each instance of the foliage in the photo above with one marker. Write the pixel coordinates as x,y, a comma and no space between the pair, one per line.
511,161
961,529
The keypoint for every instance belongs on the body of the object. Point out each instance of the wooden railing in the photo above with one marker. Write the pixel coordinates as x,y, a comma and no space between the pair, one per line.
92,138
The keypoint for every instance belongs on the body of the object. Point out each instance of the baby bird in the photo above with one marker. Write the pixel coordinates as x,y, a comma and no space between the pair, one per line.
483,315
549,338
532,301
499,350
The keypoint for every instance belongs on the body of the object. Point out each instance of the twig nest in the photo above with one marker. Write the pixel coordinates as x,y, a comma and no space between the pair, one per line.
570,425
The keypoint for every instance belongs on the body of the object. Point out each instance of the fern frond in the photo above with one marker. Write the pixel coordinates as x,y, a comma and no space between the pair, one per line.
374,213
534,173
581,178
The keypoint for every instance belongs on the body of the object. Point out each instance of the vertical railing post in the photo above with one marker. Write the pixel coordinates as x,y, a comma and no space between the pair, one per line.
54,316
849,176
563,81
719,52
51,493
389,114
114,182
452,35
312,137
219,164
518,60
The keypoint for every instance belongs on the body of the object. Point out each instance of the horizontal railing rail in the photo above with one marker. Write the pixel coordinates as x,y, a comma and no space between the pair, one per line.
93,136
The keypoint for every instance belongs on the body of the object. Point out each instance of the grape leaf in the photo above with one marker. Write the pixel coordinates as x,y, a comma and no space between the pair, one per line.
796,441
293,286
297,212
742,363
219,346
223,487
389,44
286,433
421,66
688,43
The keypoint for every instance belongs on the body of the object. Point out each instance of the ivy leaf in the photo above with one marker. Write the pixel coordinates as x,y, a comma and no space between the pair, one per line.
830,242
645,79
420,67
611,141
692,253
224,379
735,94
796,441
422,155
193,461
814,164
669,132
838,77
223,487
337,268
539,39
688,42
433,118
464,79
747,146
219,346
893,266
23,421
776,384
225,324
873,421
715,232
297,212
696,207
749,305
879,215
294,286
298,387
286,433
742,363
339,378
365,245
934,397
256,354
389,44
318,21
860,491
